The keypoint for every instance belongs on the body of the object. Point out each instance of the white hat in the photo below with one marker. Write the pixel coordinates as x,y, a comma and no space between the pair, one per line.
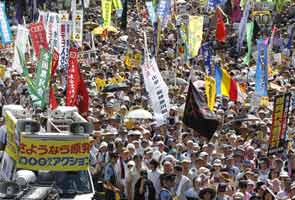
203,154
131,146
217,163
103,144
284,174
238,195
131,162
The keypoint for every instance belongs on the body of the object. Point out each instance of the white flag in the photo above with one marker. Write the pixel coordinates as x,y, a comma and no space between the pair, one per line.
20,43
52,30
157,89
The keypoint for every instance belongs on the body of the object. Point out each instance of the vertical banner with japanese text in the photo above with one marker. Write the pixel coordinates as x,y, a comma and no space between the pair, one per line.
106,12
157,89
38,37
78,27
52,30
5,31
279,123
73,78
64,33
41,80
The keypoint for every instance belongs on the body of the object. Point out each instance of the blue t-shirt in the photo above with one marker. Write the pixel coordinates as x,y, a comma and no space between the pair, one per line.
165,195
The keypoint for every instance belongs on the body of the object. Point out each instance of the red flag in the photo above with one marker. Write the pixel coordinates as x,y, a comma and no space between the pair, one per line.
73,79
83,98
38,37
220,27
233,93
52,99
54,63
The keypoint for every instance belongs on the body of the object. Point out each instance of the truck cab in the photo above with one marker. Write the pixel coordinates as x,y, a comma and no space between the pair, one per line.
47,162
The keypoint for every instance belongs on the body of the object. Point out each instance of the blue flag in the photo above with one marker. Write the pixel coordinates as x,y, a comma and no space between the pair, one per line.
218,77
164,11
5,30
242,26
261,81
207,55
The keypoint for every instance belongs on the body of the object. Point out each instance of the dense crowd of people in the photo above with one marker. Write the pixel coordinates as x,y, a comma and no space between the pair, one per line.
138,159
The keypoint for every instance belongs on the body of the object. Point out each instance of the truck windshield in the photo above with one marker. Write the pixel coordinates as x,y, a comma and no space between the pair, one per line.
67,183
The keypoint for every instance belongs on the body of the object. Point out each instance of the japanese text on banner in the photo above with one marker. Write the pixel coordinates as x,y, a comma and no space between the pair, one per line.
54,155
38,37
106,12
11,147
78,27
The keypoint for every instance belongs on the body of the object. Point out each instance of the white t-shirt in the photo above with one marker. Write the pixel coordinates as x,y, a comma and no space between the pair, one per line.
154,176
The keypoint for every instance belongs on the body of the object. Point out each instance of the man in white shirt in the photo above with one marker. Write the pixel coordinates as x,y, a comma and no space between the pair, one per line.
183,183
154,176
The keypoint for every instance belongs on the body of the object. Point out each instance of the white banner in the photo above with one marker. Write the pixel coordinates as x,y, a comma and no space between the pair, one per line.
52,30
64,40
20,43
78,27
86,3
43,18
157,89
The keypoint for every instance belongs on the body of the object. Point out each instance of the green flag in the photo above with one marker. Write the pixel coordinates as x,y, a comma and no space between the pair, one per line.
38,88
249,29
31,86
41,80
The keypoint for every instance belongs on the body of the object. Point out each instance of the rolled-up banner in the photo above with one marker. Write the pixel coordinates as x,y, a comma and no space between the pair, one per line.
78,27
73,78
52,30
38,37
20,43
5,30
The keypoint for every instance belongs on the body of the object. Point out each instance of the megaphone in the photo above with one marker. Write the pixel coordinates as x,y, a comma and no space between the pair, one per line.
25,125
81,128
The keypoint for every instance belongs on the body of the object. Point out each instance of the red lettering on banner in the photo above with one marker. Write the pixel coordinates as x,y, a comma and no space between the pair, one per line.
73,78
42,149
76,148
38,36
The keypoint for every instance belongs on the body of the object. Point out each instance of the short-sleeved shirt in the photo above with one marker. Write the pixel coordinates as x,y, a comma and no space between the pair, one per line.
109,173
165,195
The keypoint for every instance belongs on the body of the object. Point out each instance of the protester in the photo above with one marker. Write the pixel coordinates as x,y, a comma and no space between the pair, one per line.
188,99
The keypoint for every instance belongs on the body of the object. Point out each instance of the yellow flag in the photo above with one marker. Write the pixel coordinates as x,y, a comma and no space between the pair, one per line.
117,196
100,84
195,34
106,12
127,61
225,83
117,4
210,89
2,71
